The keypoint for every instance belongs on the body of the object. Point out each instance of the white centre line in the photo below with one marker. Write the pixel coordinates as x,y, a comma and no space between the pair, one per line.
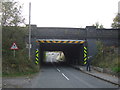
58,70
65,76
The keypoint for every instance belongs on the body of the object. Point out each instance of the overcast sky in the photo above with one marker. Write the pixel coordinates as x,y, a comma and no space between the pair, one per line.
70,13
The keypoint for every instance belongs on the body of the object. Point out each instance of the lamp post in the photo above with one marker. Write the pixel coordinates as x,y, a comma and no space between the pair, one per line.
29,31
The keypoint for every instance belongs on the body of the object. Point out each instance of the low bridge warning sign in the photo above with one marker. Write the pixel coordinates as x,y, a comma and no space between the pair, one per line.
14,46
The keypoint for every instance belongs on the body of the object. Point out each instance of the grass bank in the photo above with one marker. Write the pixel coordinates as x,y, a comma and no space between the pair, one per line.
20,64
107,57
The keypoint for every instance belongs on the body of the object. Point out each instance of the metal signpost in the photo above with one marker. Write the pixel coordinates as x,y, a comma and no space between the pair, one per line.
29,30
14,47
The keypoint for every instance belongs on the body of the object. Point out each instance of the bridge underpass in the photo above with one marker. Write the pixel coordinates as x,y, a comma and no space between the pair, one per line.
72,49
60,75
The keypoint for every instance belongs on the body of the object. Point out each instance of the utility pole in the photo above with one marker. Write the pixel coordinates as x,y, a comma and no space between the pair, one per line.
119,7
29,30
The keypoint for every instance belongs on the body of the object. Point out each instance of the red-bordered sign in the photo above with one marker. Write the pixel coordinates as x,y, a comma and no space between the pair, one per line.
14,46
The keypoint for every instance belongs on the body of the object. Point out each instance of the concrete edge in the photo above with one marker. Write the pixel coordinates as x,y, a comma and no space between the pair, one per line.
96,76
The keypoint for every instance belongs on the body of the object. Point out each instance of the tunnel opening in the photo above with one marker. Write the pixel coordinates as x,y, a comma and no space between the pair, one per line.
73,53
53,56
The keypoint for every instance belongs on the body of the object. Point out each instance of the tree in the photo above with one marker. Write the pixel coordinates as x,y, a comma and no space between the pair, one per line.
116,21
98,25
11,14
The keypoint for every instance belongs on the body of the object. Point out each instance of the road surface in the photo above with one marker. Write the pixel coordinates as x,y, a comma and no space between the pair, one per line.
54,75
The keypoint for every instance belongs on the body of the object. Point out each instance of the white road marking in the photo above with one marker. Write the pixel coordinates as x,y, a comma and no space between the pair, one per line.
58,70
65,76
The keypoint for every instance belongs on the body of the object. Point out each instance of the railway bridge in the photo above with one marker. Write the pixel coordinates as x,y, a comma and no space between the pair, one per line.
75,43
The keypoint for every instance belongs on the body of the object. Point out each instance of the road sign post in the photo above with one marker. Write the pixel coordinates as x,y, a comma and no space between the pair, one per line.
14,47
14,53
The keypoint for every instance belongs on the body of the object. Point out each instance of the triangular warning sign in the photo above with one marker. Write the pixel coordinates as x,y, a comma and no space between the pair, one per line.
14,46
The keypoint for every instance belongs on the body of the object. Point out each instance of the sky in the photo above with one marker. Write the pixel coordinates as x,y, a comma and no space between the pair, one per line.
70,13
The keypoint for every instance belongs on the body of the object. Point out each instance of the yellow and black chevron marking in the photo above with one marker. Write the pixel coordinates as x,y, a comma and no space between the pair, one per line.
85,55
37,56
62,41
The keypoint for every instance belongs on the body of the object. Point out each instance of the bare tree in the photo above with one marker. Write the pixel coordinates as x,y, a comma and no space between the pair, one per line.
98,25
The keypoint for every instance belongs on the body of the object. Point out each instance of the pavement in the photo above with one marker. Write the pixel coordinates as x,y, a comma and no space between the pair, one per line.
102,76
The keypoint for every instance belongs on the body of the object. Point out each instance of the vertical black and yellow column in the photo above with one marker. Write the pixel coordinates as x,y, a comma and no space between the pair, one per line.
85,55
37,56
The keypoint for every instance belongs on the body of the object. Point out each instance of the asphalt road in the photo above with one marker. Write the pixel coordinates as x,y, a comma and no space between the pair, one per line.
54,75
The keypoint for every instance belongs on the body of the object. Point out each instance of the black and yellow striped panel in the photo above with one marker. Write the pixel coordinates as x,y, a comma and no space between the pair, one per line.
66,41
37,56
85,55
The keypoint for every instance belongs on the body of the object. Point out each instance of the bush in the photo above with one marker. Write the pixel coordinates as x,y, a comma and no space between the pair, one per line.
107,57
116,69
19,63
